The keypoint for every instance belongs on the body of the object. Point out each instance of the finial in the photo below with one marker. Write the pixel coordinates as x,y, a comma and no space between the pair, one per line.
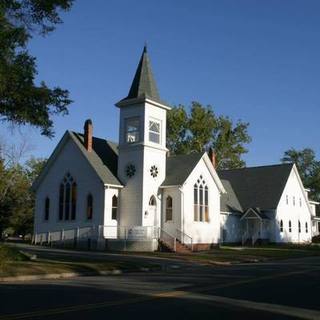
145,47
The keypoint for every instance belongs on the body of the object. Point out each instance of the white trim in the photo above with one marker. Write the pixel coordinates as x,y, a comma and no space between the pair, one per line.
302,187
213,173
254,211
141,100
108,186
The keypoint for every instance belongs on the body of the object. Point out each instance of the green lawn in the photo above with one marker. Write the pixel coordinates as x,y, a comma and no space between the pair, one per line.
231,254
15,263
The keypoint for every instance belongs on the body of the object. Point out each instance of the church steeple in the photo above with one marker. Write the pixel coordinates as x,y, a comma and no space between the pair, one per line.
143,84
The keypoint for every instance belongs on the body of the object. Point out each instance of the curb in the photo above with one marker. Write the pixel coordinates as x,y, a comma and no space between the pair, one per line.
66,275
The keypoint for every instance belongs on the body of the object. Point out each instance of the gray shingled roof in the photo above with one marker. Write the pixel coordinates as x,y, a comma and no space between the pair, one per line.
229,201
103,158
143,85
256,187
179,168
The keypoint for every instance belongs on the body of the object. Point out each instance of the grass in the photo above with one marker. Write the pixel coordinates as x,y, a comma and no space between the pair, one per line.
231,254
14,262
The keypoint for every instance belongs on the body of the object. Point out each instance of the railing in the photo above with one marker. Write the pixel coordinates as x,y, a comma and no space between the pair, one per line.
185,239
100,232
169,240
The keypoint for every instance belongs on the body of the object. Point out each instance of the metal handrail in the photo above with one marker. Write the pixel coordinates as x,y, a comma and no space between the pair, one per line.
168,239
182,235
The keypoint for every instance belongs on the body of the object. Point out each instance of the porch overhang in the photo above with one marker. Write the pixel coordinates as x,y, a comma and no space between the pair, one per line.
254,213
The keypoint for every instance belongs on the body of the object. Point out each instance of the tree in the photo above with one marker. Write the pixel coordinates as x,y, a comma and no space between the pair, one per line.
21,100
308,167
201,130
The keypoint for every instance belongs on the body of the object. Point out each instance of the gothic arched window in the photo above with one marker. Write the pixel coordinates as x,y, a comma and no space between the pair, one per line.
152,201
169,208
299,226
114,207
201,201
290,226
67,198
46,209
281,225
89,206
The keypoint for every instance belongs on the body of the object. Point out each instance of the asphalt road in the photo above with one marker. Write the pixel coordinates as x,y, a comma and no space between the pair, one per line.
282,290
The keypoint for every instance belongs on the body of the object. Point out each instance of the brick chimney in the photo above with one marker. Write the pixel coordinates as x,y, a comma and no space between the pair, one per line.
212,157
88,135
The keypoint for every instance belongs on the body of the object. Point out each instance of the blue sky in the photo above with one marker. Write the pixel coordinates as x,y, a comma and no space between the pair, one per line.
253,60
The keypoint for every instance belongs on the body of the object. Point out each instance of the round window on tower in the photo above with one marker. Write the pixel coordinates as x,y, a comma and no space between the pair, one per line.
130,170
154,171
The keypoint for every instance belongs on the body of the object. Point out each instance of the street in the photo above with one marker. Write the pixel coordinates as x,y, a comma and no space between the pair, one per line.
274,290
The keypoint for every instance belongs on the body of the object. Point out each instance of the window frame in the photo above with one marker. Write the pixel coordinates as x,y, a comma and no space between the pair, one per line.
136,133
89,210
67,199
47,209
153,132
201,201
114,207
169,209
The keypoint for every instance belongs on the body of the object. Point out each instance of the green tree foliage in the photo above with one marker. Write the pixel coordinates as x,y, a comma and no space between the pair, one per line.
16,196
200,129
309,169
21,100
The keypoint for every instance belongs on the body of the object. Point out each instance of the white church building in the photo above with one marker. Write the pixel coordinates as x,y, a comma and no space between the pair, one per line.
134,196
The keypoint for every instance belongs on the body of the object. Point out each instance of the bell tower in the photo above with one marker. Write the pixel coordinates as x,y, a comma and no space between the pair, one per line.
142,149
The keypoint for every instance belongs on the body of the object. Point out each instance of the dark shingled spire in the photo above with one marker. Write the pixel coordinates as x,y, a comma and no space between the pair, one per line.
143,84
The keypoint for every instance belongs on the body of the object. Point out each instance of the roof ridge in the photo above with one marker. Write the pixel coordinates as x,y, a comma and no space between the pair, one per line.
262,166
186,154
94,137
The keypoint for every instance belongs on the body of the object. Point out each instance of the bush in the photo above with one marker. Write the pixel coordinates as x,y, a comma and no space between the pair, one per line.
316,239
10,254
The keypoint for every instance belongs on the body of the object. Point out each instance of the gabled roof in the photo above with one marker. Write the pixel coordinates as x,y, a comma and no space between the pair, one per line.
143,84
179,168
103,158
254,213
229,201
256,187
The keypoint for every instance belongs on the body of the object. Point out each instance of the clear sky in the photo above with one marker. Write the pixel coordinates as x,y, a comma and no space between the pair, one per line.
253,60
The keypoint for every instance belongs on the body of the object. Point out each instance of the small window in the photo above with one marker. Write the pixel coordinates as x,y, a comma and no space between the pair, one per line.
307,227
201,202
47,209
290,226
152,201
114,213
73,200
67,202
299,226
154,131
132,130
294,201
206,204
195,203
287,199
61,201
89,207
300,202
281,226
169,209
